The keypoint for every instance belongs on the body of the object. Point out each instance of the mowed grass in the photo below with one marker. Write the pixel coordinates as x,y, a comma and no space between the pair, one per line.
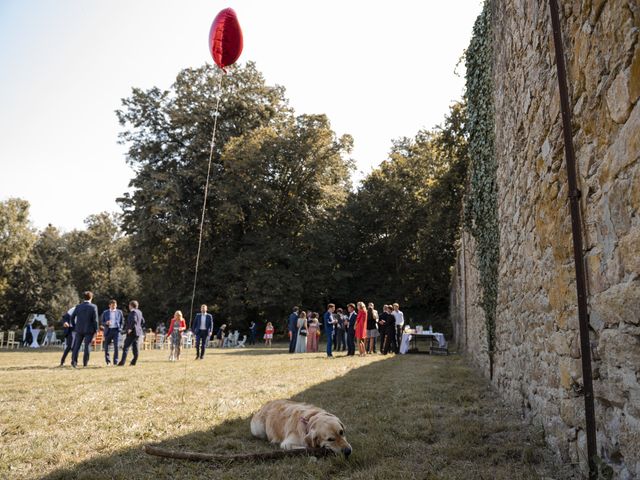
411,416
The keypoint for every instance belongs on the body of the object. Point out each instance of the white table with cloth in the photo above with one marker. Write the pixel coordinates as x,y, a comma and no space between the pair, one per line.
407,337
34,335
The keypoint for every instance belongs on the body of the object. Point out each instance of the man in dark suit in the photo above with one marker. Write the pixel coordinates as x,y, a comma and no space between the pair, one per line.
134,329
351,330
112,321
329,322
85,318
202,326
388,331
69,335
293,329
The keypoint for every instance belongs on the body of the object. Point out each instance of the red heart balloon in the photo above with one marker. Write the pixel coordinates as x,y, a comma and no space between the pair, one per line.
225,38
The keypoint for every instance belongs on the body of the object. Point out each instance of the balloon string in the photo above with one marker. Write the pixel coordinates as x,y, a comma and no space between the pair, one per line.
204,208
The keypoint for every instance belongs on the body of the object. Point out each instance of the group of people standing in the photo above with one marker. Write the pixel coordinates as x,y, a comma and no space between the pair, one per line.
342,330
82,323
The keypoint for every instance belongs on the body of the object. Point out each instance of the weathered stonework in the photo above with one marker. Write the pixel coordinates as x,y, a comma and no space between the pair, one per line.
537,359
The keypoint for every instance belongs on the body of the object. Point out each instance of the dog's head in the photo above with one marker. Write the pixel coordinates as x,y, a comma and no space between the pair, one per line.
327,431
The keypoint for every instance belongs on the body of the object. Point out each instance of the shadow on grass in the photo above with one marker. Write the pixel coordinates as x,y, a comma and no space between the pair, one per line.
253,351
31,351
403,418
28,367
261,352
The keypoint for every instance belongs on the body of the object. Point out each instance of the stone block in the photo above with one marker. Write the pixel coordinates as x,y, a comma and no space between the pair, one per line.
618,202
620,303
618,97
575,349
629,251
570,372
558,343
630,441
634,76
597,280
572,411
619,351
565,376
634,197
625,150
560,289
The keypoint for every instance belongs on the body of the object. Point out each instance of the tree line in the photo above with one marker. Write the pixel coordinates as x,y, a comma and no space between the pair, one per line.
283,226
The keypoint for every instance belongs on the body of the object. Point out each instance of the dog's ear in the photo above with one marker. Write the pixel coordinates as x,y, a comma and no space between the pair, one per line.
311,439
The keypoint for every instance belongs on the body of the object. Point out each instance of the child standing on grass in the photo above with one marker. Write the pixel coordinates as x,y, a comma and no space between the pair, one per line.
220,335
268,334
178,325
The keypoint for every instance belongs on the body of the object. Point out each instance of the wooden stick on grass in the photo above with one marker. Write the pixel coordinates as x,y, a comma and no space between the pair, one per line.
212,457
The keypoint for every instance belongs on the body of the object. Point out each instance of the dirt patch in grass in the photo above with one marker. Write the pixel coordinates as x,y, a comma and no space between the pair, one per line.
411,416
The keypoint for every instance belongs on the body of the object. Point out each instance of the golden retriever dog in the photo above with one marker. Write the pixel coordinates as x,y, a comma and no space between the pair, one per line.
299,425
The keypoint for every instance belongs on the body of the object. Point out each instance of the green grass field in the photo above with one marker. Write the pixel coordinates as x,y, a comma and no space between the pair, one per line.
411,416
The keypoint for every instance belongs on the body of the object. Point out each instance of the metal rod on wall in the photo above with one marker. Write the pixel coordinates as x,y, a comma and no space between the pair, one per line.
576,226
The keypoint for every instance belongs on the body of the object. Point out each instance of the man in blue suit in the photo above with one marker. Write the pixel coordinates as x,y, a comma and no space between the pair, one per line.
293,329
134,329
202,326
351,330
85,318
112,321
329,322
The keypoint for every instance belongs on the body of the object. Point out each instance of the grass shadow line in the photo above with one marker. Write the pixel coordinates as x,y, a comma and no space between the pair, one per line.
403,419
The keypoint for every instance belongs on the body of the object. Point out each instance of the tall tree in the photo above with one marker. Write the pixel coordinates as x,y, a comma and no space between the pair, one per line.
101,260
17,237
272,175
279,187
41,283
400,227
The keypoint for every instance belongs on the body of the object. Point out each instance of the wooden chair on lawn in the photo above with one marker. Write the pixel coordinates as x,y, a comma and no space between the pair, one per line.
1,339
97,340
149,340
11,340
187,340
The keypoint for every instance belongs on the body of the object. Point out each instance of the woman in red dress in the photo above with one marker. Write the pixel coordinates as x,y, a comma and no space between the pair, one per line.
361,328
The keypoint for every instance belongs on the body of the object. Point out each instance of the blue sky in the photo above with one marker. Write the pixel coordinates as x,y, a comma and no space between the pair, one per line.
379,70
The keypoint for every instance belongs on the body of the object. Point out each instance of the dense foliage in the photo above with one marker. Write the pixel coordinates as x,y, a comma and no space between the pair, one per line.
399,228
275,180
481,204
48,270
283,224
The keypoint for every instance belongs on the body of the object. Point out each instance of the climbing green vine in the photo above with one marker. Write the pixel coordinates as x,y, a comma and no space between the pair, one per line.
481,210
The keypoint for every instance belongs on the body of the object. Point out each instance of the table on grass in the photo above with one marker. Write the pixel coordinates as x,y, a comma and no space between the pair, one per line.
435,341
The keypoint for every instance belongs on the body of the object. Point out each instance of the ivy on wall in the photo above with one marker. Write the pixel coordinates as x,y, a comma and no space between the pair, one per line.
481,206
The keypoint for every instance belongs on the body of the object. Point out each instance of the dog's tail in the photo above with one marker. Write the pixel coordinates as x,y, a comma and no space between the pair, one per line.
258,428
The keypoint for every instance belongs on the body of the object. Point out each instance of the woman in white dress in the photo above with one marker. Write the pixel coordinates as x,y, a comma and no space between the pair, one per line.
301,341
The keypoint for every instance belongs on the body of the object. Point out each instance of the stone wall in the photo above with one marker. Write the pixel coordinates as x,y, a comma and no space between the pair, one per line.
470,336
537,359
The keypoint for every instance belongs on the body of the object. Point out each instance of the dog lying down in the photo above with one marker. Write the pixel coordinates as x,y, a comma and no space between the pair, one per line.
299,425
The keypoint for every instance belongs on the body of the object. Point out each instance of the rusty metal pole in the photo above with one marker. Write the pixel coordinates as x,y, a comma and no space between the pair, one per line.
576,224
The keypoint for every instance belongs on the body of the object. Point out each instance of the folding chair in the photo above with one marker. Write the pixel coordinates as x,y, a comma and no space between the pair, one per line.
11,340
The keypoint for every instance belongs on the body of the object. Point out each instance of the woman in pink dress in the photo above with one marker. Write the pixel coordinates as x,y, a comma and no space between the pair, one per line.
361,328
312,337
268,334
